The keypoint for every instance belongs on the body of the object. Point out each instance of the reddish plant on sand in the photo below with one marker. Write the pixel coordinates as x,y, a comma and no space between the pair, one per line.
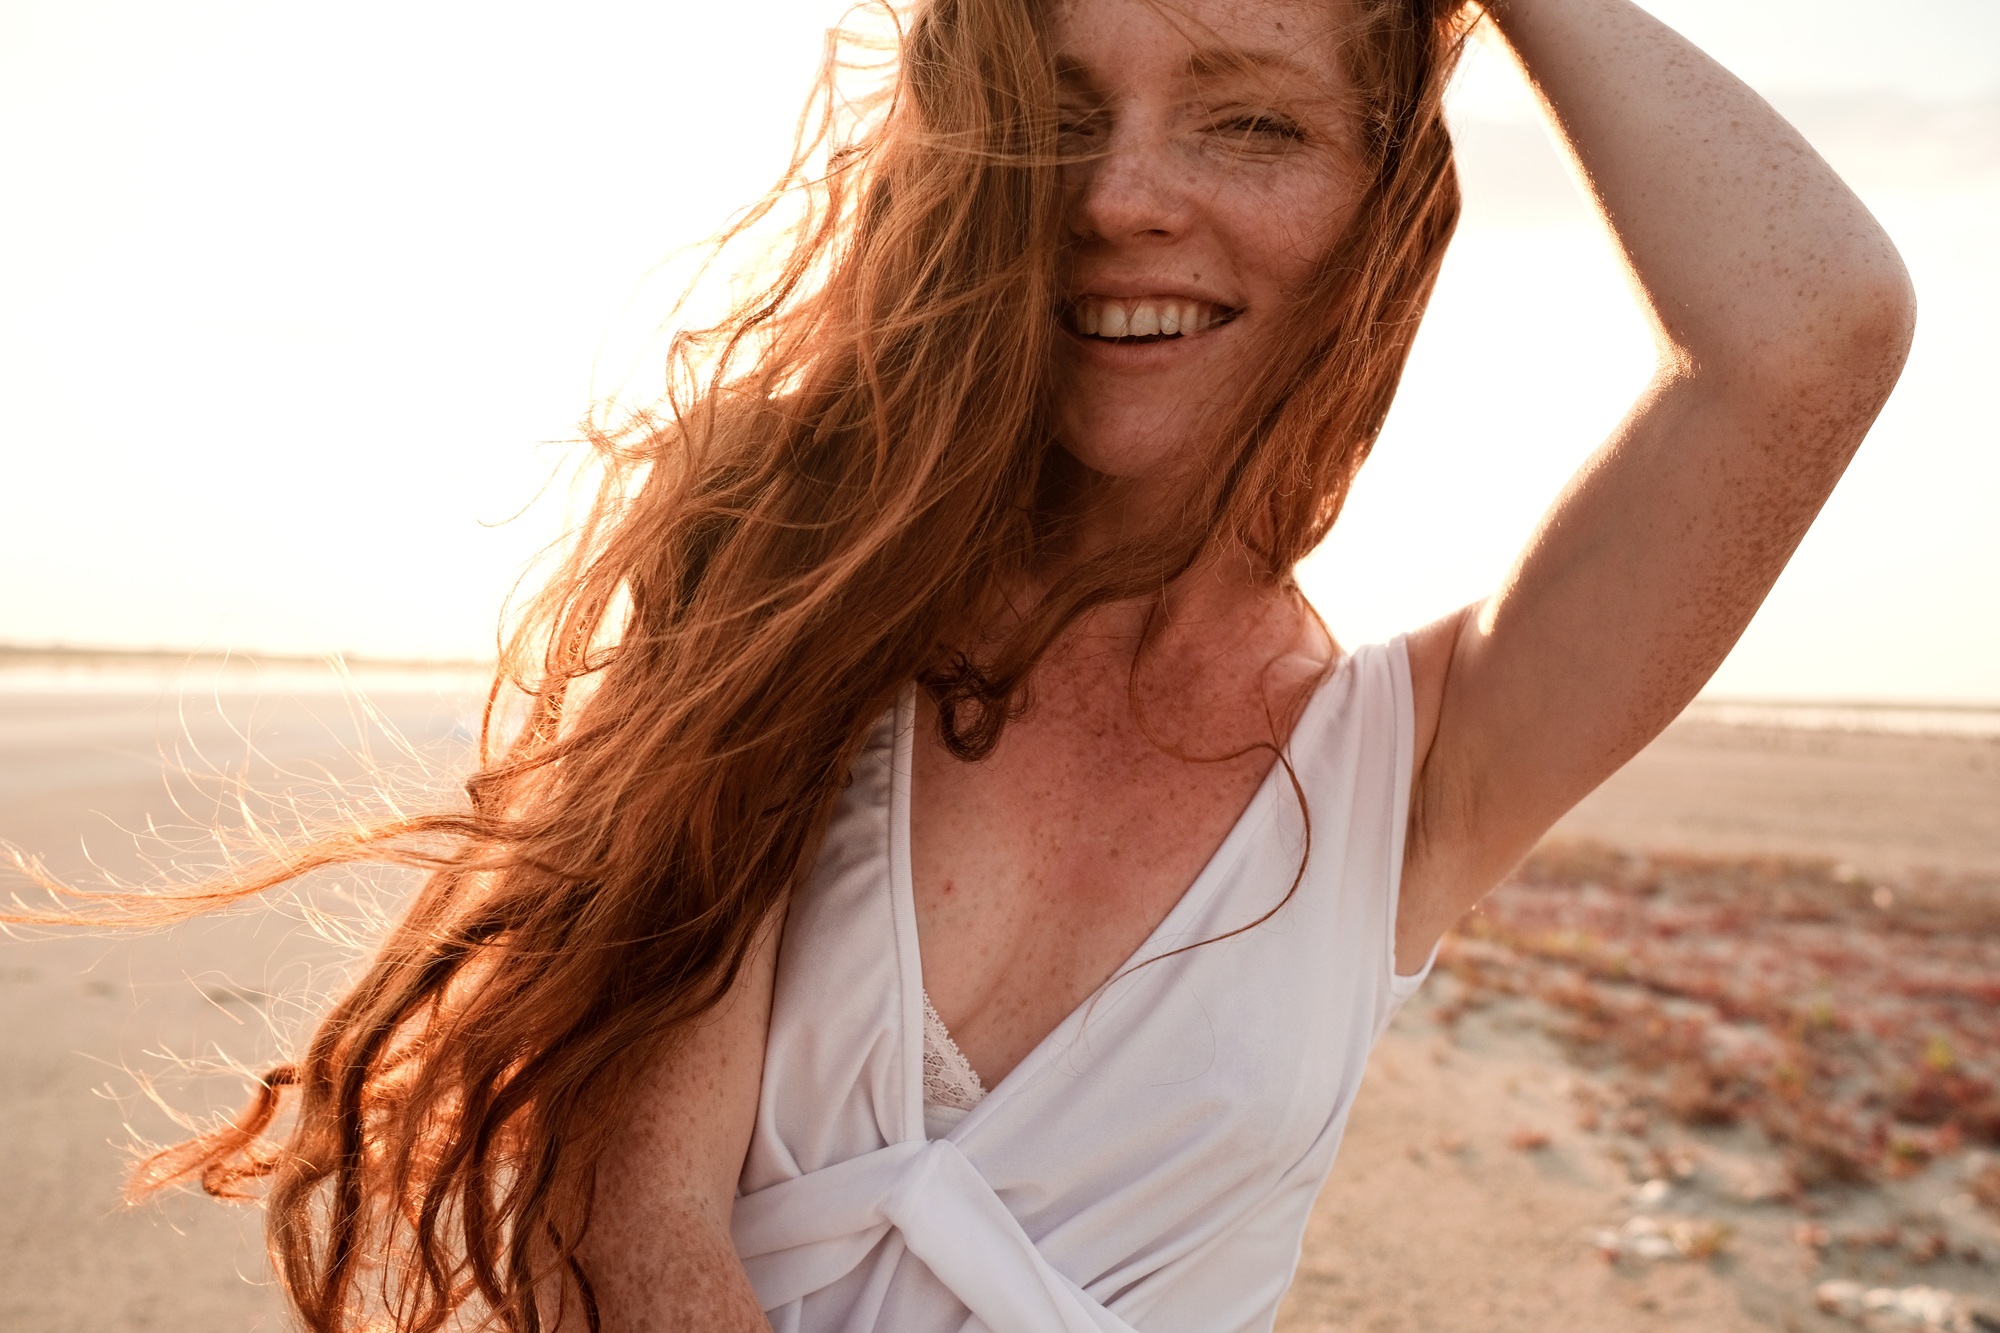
1862,1041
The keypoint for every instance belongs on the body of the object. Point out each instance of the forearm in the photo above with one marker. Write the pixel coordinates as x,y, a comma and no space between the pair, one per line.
1753,257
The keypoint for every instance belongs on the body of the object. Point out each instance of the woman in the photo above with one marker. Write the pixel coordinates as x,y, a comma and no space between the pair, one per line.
968,889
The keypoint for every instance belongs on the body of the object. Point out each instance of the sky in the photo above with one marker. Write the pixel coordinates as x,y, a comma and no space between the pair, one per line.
298,305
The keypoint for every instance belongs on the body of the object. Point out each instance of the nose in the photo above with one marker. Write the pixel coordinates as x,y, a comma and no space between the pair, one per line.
1129,191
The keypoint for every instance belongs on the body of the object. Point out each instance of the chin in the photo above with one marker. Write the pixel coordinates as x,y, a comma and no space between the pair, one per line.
1122,461
1130,450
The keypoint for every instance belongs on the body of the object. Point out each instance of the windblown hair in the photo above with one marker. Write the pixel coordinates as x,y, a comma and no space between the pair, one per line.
849,476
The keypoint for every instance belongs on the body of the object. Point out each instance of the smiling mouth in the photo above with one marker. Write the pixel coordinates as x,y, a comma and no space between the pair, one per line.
1143,319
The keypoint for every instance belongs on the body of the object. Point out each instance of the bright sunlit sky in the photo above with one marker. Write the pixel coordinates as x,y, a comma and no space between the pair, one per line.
292,298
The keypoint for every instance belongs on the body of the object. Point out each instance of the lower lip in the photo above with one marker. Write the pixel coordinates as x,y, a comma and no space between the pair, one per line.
1143,356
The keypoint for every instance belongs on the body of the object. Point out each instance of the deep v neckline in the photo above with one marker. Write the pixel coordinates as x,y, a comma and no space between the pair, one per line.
903,901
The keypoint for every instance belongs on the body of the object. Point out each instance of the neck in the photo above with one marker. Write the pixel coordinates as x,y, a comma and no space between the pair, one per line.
1221,599
1218,640
1106,512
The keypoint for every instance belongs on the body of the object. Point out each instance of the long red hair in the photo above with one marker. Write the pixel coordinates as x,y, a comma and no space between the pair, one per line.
847,475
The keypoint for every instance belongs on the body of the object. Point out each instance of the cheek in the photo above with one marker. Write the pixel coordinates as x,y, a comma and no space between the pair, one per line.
1281,233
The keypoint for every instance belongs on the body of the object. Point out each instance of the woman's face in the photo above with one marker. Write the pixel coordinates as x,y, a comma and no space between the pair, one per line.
1218,168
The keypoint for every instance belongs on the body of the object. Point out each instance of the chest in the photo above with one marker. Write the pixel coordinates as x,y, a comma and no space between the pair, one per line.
1040,870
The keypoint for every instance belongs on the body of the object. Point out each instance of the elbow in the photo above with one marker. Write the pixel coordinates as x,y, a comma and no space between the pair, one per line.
1870,313
1878,323
1878,332
1836,362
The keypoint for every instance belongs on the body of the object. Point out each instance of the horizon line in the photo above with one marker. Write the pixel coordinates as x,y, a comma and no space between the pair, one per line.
23,654
27,653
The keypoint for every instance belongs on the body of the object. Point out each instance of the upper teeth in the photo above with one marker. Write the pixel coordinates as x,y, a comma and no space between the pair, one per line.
1143,316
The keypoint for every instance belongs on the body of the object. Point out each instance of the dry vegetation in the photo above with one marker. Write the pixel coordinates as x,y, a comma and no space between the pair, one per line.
1857,1023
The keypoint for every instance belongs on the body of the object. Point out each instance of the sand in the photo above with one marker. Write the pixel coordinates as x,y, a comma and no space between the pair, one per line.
80,1017
1755,1056
1432,1220
1885,804
1435,1216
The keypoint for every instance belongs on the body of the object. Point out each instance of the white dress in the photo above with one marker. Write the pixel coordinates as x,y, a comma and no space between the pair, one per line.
1151,1164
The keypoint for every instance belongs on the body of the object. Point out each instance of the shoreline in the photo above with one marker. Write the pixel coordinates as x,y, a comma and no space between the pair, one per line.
54,661
59,670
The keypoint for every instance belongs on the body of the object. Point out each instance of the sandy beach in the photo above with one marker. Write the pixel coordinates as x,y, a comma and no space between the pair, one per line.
82,769
1719,1049
1575,1126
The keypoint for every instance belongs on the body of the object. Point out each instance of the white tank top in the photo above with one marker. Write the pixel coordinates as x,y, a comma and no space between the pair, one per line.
1151,1164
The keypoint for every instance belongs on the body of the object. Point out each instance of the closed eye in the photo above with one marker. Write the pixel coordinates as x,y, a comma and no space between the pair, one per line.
1080,127
1078,101
1270,128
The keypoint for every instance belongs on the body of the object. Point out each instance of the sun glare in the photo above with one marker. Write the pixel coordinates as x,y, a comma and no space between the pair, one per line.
299,299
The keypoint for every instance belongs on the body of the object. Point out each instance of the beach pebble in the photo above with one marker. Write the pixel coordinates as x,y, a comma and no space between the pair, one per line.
1892,1308
1655,1238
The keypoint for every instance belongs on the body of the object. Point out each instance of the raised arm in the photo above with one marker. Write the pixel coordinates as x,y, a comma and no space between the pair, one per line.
1782,316
658,1254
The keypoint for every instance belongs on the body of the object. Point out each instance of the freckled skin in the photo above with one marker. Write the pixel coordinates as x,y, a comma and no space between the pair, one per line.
1218,182
1041,868
1783,316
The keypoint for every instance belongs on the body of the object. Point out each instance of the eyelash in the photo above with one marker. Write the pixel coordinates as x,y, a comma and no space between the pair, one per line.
1261,125
1248,125
1079,122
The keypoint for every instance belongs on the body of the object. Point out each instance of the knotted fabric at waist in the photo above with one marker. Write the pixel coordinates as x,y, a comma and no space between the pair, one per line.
805,1233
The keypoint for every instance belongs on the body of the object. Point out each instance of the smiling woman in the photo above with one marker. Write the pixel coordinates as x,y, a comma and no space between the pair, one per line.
1239,143
946,876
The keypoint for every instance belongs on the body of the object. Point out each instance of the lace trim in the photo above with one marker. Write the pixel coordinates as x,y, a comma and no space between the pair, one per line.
949,1078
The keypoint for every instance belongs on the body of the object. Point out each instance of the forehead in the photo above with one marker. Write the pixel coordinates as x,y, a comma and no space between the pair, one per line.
1293,43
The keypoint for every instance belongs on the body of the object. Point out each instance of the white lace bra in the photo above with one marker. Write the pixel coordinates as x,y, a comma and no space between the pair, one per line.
951,1084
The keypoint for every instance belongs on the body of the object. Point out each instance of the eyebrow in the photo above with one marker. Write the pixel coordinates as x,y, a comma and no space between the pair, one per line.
1216,62
1205,63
